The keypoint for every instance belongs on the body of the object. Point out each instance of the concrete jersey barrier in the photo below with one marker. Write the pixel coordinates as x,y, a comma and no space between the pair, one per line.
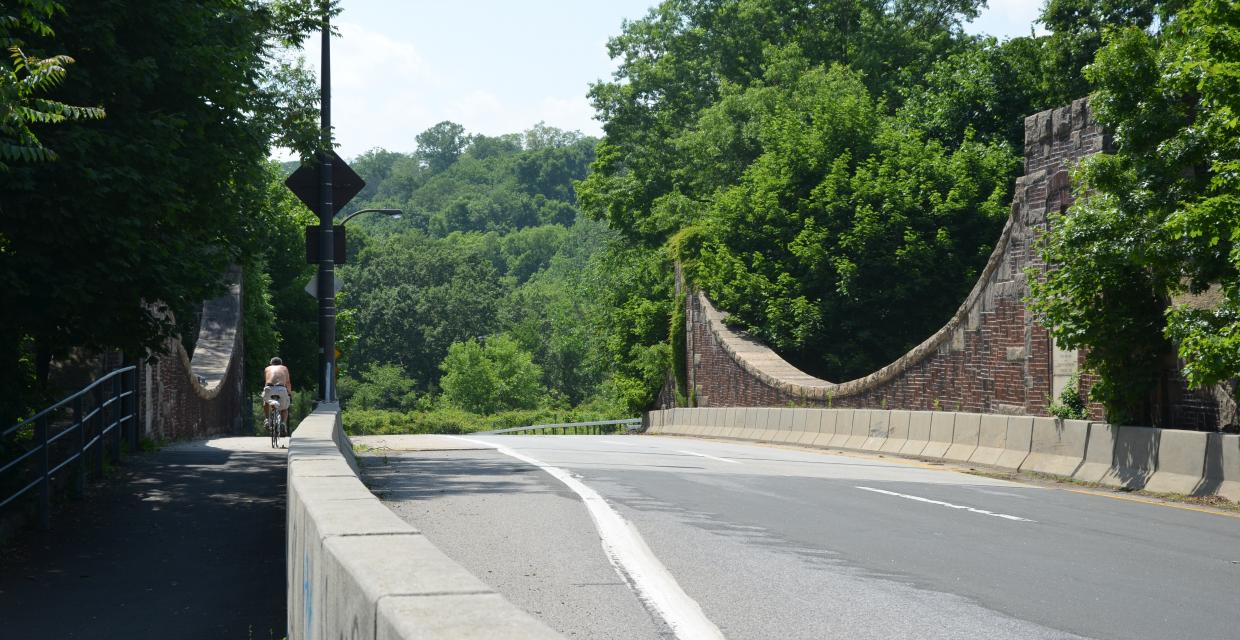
355,569
1181,463
1161,460
1099,453
1136,455
1057,447
1222,472
965,437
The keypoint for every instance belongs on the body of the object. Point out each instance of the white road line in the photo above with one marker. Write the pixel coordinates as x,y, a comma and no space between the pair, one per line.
627,444
632,558
692,453
948,504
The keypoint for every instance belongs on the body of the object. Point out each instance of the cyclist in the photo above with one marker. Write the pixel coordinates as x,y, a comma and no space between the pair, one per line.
280,385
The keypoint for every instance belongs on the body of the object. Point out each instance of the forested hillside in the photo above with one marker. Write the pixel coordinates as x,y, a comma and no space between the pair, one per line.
491,293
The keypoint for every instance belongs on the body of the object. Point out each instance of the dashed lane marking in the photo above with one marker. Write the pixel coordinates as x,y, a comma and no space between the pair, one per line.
947,504
703,455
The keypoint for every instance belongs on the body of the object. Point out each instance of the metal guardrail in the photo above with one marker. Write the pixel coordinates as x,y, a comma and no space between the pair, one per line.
597,427
112,414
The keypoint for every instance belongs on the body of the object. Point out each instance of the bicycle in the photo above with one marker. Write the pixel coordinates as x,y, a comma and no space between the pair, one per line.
275,424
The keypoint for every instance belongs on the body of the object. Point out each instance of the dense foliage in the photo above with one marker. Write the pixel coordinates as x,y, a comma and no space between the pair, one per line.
26,78
146,208
490,294
1158,217
832,174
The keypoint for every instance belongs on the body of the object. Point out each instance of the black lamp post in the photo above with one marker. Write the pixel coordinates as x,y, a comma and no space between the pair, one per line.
327,275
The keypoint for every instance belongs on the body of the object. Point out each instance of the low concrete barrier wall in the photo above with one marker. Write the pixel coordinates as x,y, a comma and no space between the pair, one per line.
942,424
965,436
1016,443
918,433
991,437
826,429
860,429
355,569
1222,472
1099,453
897,431
1057,447
1131,457
880,424
1136,456
1181,462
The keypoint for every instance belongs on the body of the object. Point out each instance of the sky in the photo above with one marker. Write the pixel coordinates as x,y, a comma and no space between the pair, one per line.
493,66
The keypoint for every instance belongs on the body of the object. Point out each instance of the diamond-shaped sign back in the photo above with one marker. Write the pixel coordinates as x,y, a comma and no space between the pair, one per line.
304,183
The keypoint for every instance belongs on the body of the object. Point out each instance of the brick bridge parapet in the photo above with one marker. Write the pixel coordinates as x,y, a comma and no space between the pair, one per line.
190,396
990,357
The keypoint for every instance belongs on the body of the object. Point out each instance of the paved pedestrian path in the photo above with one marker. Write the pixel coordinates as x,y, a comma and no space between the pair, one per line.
188,544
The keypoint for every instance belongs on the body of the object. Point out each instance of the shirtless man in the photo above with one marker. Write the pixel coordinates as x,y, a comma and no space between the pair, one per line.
278,382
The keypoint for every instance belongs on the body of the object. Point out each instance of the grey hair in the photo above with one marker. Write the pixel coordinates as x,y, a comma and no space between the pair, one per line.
276,362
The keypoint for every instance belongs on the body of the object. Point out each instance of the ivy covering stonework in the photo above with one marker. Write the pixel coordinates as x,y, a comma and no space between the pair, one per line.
1160,216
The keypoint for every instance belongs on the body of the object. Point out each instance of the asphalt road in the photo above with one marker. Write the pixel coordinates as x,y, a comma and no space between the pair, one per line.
187,543
775,542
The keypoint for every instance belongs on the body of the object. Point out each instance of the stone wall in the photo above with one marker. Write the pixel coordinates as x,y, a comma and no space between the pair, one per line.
187,396
991,357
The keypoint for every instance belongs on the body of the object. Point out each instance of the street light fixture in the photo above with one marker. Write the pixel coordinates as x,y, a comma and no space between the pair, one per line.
394,213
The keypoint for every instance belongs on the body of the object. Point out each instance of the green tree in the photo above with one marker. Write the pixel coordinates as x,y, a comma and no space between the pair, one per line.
683,56
381,386
25,78
557,314
1156,217
491,377
151,205
852,236
262,340
413,296
441,145
277,264
1077,30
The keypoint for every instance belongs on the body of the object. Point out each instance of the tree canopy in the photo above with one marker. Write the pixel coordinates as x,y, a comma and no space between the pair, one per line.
151,204
1158,217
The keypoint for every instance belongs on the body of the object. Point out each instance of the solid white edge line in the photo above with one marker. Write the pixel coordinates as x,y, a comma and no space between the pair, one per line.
947,504
693,453
631,557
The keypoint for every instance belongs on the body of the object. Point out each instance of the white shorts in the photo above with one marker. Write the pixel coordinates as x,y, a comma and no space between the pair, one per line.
277,392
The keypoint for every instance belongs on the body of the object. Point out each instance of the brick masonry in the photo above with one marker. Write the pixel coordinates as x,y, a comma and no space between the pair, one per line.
991,357
183,397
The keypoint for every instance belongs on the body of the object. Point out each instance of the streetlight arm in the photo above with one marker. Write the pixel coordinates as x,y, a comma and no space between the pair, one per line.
396,213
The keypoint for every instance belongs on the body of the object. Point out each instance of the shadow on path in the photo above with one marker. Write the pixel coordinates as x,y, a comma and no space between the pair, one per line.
189,543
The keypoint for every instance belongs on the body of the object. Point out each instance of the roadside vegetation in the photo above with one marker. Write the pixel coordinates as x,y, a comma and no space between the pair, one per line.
834,175
136,175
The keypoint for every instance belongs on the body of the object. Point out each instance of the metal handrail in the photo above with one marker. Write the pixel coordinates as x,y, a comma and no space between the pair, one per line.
110,414
565,426
67,400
